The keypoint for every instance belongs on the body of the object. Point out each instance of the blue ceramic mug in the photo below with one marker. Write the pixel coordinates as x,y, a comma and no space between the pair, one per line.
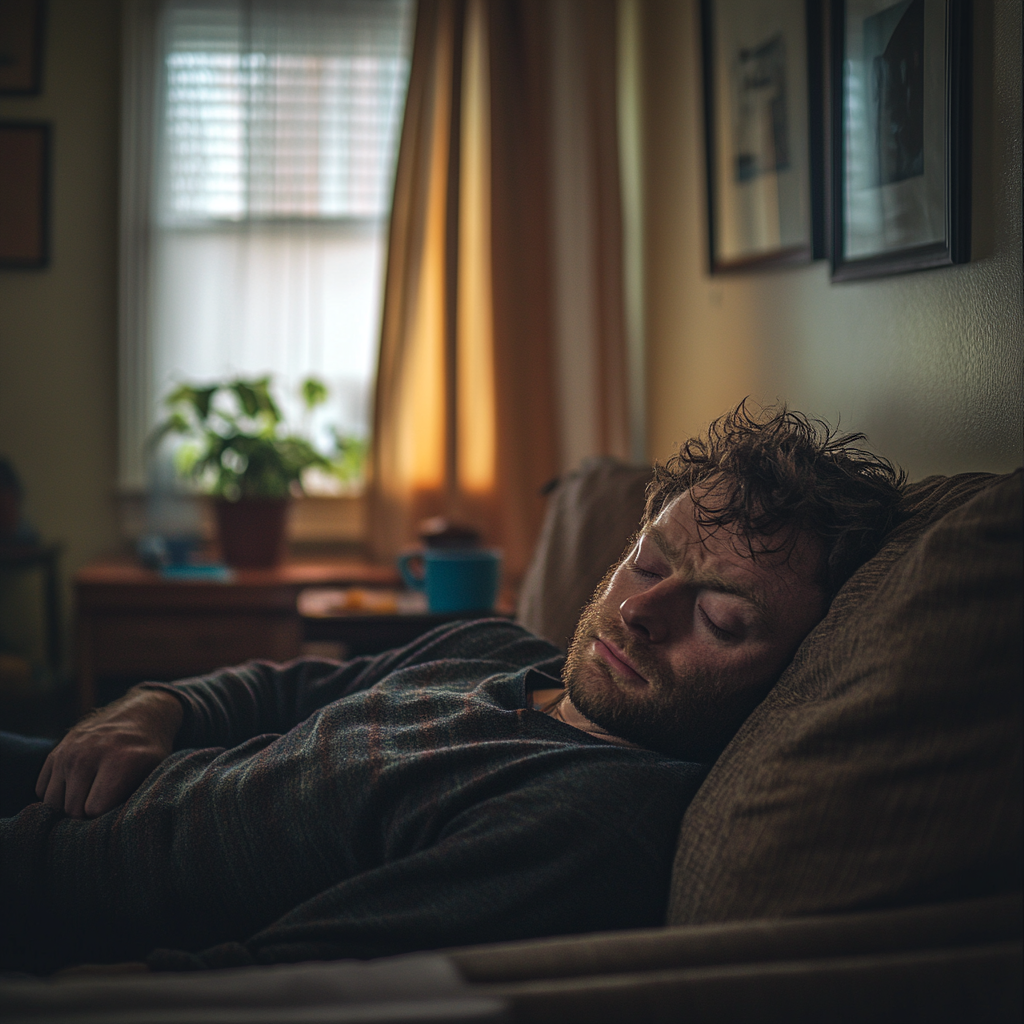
455,579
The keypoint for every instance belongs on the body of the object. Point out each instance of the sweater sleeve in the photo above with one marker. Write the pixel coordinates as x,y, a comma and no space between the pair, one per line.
236,704
228,707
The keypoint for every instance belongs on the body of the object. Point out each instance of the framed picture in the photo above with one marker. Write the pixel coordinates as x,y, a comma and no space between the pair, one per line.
24,194
21,47
900,126
764,120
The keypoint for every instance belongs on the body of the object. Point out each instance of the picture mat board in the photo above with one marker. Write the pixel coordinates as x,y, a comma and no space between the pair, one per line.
883,215
24,194
759,167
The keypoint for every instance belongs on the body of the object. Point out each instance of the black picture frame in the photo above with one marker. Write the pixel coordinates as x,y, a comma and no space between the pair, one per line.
901,164
25,174
745,231
22,27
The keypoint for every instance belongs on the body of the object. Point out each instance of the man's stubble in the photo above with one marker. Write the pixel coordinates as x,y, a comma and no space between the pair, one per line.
682,716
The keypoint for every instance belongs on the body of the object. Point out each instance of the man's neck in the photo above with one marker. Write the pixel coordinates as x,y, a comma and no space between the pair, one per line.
563,710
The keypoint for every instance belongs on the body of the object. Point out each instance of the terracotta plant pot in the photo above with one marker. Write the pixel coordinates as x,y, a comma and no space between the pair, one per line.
252,531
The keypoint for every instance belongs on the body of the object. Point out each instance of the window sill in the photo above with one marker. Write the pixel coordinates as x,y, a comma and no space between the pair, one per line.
314,520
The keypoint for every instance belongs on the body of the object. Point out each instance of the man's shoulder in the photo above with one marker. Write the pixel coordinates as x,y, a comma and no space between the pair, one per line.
496,641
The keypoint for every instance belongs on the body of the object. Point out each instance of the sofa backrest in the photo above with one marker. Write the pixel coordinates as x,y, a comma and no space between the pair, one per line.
884,768
592,513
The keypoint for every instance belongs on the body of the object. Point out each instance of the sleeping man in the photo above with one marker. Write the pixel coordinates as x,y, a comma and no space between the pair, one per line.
423,798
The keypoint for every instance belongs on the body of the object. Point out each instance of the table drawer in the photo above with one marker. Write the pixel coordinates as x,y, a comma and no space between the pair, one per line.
169,646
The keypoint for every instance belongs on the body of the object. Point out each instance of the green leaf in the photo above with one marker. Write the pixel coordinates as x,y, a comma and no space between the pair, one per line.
202,400
182,393
174,424
247,397
314,392
186,459
264,400
235,449
198,398
350,454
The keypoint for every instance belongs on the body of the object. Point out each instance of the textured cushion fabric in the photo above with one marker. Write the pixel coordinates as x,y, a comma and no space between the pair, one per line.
884,768
592,514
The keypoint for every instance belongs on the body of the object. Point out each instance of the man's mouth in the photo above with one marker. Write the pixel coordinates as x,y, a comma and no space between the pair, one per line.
616,659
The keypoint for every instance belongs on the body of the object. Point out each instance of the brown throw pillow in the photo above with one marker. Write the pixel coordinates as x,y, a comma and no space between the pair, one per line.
884,768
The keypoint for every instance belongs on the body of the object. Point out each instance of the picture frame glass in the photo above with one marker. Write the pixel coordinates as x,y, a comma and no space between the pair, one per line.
894,123
761,176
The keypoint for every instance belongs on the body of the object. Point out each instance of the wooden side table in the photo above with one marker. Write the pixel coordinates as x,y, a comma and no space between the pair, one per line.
331,618
134,625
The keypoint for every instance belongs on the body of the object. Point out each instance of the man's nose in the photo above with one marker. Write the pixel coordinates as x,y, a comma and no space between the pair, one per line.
655,613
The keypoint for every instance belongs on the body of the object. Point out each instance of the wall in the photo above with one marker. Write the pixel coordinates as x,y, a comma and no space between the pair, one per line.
58,327
929,365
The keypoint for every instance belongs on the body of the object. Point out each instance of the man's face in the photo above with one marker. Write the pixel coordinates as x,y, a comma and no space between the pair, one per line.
689,632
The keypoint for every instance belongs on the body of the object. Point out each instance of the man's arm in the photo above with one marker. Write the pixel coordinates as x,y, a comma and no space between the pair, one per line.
102,760
233,705
107,755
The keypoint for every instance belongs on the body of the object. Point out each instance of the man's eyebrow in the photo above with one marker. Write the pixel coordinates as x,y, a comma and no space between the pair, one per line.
664,545
709,578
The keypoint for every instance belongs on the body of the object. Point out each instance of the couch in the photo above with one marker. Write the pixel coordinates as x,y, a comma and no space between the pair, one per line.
854,854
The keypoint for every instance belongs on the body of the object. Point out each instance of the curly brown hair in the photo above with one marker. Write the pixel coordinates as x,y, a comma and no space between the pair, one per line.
779,473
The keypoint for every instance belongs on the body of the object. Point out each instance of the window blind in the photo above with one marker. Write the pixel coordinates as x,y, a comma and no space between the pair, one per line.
281,110
258,153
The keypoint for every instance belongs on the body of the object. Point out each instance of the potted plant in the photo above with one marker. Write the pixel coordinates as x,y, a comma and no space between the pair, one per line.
238,451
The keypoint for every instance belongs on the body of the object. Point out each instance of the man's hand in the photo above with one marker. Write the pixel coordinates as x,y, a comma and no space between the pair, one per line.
104,758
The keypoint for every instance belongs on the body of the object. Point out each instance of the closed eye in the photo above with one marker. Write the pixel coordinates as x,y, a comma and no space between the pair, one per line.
716,630
644,573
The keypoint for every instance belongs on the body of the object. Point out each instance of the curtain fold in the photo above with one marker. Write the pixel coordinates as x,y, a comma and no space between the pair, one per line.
470,380
599,38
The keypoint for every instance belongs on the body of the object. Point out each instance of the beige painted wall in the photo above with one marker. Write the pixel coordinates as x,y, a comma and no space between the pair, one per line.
58,327
929,365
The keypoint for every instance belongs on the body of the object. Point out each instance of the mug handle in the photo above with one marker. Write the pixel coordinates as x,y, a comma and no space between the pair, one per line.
412,581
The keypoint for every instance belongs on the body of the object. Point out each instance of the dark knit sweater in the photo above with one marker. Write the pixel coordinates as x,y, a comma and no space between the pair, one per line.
407,801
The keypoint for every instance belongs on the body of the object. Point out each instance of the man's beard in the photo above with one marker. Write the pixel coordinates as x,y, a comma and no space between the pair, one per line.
687,717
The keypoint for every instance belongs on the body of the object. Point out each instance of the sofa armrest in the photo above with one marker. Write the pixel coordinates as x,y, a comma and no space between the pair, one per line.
942,962
910,929
973,983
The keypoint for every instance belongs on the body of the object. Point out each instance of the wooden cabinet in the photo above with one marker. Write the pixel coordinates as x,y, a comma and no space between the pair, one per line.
134,625
181,644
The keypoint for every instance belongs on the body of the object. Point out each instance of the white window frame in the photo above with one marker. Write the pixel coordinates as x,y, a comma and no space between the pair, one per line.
142,106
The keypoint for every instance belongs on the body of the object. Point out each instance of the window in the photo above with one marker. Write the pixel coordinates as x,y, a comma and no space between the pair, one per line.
262,188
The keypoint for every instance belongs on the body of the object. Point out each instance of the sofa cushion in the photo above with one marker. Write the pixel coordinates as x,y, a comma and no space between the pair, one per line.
884,768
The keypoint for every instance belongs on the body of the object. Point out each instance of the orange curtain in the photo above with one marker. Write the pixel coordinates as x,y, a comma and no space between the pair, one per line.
466,421
599,42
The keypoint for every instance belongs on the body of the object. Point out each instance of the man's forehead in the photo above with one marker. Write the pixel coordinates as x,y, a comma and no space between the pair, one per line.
679,531
679,534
